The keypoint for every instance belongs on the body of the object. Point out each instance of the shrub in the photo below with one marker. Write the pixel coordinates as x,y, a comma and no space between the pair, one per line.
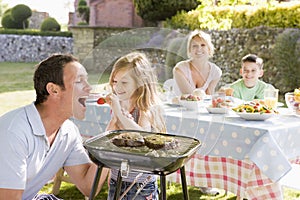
83,11
35,32
82,23
17,17
160,10
241,16
20,13
286,58
50,24
7,21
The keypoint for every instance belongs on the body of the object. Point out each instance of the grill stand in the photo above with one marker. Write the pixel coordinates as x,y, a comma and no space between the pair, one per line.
162,196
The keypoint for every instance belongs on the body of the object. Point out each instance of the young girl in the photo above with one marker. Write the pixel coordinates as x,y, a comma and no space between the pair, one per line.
134,106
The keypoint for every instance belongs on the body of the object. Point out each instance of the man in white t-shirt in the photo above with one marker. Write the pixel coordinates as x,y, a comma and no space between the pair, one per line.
38,139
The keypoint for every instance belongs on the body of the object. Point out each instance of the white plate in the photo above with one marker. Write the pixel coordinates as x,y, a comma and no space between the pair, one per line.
280,104
255,116
191,105
217,110
173,105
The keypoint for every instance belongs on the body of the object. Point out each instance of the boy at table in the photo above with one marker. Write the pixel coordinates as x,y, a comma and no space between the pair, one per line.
249,87
39,139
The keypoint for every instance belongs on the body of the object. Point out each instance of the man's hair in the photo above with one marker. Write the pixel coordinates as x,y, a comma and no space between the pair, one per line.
254,59
50,70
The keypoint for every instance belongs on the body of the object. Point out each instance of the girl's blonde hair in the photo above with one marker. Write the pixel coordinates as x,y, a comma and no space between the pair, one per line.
146,96
203,36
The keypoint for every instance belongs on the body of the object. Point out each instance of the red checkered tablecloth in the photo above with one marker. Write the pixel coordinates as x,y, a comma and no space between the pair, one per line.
241,177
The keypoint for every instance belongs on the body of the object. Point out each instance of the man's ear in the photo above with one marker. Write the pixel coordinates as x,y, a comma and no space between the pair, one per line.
52,88
261,73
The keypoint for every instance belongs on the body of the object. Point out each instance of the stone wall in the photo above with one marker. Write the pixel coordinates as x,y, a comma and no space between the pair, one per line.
25,48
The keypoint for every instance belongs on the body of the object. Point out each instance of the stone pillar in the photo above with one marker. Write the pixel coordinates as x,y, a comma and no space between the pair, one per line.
83,37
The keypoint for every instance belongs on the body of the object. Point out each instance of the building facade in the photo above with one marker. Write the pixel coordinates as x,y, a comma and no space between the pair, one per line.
109,13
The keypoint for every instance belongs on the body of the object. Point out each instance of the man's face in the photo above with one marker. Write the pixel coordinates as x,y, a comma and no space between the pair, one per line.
76,91
250,72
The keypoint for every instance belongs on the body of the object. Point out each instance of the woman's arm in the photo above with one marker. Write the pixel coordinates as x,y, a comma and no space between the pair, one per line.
212,86
182,81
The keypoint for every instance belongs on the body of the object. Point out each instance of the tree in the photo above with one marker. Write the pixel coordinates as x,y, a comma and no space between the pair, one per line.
50,24
158,10
3,7
83,11
17,17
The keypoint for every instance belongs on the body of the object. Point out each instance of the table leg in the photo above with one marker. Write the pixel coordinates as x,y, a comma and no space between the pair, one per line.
163,194
183,183
96,182
119,186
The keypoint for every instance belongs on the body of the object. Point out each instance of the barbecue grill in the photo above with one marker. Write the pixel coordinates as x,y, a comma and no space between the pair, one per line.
141,159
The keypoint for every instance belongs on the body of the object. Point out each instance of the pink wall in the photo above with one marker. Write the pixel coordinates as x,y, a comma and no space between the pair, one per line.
111,13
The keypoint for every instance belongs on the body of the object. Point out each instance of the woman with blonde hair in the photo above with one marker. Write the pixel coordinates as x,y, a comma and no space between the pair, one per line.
197,71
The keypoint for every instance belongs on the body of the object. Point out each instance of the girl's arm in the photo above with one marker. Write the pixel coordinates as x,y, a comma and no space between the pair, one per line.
112,124
123,120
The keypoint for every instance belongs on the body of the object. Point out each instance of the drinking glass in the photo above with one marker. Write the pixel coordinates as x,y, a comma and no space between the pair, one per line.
227,90
271,98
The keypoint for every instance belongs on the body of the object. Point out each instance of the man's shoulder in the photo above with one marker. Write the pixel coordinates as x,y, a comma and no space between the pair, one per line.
14,118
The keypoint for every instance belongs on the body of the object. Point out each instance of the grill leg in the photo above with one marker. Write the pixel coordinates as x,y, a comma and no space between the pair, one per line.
183,183
163,194
119,186
96,182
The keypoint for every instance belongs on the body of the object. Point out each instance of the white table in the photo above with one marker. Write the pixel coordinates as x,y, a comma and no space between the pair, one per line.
247,158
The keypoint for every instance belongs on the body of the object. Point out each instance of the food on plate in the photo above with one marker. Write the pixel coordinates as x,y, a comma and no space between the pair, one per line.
199,93
290,100
175,100
190,97
160,141
298,111
134,139
297,95
253,107
220,102
128,139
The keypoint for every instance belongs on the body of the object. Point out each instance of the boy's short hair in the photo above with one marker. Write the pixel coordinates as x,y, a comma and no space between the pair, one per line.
253,58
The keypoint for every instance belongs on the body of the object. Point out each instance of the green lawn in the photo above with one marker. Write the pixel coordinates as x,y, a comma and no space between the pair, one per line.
17,77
